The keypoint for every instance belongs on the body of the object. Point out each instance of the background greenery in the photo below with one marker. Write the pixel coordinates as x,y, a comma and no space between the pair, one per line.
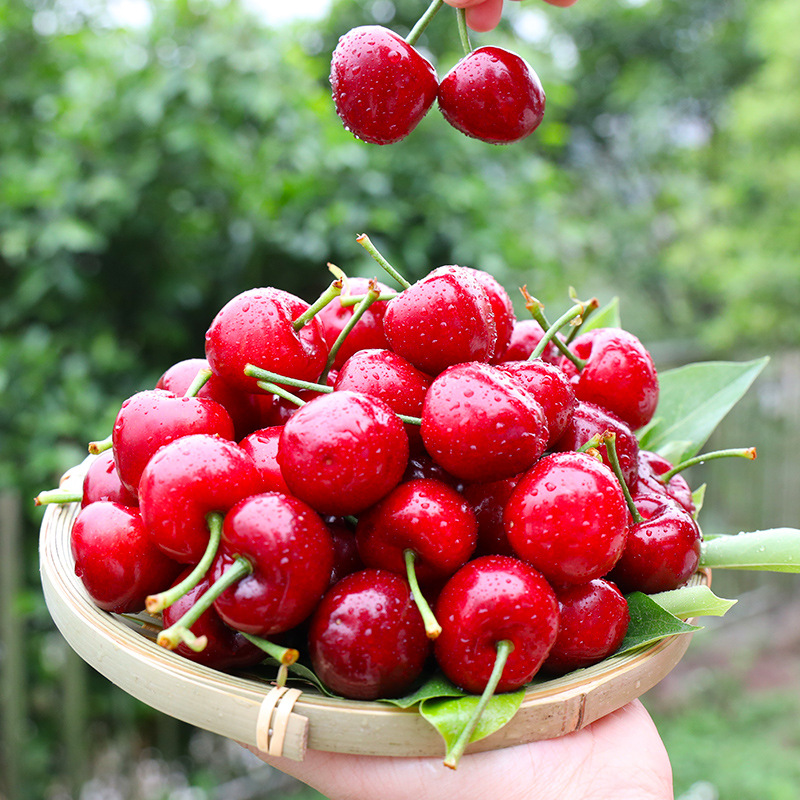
148,173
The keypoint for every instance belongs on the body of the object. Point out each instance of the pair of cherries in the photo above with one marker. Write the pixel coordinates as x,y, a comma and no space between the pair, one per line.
383,87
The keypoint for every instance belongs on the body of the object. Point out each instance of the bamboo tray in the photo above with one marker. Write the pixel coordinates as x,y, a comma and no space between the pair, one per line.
285,723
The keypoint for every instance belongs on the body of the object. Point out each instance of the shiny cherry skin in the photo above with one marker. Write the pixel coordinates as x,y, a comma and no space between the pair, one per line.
185,481
345,549
366,638
290,550
488,501
382,86
115,558
619,374
102,482
503,309
525,336
568,517
154,417
593,621
342,452
421,465
661,553
443,319
366,334
651,467
226,649
426,516
257,327
480,425
281,409
262,447
493,95
490,599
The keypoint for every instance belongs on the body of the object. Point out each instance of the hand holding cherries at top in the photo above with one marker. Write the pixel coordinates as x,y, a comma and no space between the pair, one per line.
484,15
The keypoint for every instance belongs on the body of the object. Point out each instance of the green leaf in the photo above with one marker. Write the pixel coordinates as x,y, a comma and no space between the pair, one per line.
693,401
435,687
606,316
693,601
650,623
450,715
773,550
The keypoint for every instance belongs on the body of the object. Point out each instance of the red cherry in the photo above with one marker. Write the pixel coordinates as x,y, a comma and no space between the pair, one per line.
346,559
262,447
152,418
258,327
480,425
115,558
619,374
651,467
593,619
282,408
503,309
382,86
444,319
493,95
366,638
490,599
102,482
527,333
488,501
342,452
568,517
290,555
185,481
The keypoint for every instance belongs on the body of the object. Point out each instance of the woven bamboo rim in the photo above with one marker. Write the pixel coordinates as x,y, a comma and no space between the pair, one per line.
286,721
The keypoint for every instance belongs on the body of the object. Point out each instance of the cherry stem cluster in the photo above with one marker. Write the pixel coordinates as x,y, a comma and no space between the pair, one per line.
367,244
610,441
432,626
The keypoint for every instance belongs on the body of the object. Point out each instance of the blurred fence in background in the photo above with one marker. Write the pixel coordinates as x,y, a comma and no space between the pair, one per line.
60,720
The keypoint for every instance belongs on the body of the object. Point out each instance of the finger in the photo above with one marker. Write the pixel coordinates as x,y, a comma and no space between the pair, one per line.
561,3
485,16
464,3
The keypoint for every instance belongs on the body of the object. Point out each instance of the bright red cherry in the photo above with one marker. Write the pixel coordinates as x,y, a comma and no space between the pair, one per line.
504,316
102,482
262,447
382,86
651,467
366,638
525,337
568,517
493,95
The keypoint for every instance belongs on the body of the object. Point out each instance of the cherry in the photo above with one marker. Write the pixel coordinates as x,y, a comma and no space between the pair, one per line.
661,552
184,482
342,452
244,408
345,549
154,417
421,465
589,420
265,327
102,482
382,86
488,501
651,467
503,309
593,619
550,387
619,374
525,336
480,425
366,334
283,557
493,95
282,408
366,638
115,558
568,517
262,447
443,319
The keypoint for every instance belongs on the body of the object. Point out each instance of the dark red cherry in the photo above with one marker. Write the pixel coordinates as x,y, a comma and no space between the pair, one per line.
366,638
102,482
568,517
488,501
382,86
526,335
262,447
116,559
491,599
493,95
345,549
593,619
342,452
651,467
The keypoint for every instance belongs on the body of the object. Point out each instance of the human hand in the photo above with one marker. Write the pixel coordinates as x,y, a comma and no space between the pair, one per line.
483,15
620,756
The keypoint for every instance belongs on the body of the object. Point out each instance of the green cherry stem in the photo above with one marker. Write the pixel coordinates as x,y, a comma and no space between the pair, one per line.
100,446
578,313
432,626
592,306
331,293
54,496
179,631
285,656
504,650
273,388
355,299
423,21
265,376
611,450
463,31
158,602
365,242
200,380
739,452
536,310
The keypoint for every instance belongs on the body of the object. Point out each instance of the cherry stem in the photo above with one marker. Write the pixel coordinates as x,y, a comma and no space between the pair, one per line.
365,242
100,446
285,656
371,296
463,31
200,380
536,310
332,292
577,313
273,388
265,376
591,306
179,631
739,452
610,440
423,21
49,496
354,299
504,649
432,626
158,602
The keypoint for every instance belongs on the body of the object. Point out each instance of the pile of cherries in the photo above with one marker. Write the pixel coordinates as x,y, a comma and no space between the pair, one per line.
382,482
383,87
